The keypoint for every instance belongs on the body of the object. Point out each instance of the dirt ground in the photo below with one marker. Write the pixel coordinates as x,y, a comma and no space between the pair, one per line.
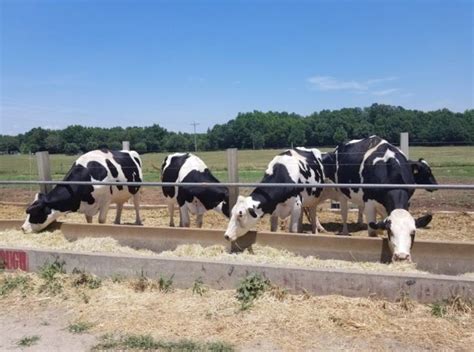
421,201
277,321
450,227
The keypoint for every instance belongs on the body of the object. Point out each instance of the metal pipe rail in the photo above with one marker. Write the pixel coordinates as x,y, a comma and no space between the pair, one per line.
246,184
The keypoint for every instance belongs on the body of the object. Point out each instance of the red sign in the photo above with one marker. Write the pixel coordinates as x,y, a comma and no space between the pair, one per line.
13,260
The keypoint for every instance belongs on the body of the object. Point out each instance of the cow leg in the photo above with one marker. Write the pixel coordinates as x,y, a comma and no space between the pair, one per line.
118,214
199,220
89,219
104,209
370,216
184,220
171,213
136,205
313,219
295,217
273,223
344,212
360,216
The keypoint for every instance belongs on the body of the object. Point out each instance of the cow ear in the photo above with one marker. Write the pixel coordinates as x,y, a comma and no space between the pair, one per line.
381,225
34,207
415,167
252,212
423,221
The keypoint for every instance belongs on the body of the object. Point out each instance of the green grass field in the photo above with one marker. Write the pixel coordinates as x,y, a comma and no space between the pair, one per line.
453,164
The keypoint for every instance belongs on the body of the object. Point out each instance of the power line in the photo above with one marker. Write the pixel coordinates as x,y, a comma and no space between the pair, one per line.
194,124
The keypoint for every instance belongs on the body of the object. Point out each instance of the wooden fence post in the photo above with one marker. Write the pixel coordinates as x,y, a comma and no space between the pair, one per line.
233,175
125,145
44,170
404,144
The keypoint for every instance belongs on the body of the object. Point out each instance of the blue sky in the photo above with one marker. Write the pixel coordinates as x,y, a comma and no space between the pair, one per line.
135,63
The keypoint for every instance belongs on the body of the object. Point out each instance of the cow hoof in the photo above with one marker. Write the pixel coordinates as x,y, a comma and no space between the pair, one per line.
373,235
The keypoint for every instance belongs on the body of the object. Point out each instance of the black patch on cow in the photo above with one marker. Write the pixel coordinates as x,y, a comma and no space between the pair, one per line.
112,168
129,169
170,173
105,150
39,210
209,196
97,170
270,197
139,163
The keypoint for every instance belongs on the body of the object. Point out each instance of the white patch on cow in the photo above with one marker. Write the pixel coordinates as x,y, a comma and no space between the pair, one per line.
354,141
241,221
425,162
191,163
290,162
402,226
367,154
388,155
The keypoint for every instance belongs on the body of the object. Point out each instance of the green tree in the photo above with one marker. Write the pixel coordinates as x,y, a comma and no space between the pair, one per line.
71,149
140,148
340,135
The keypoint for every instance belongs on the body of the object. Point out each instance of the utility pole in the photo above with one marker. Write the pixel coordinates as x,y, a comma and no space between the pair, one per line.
194,124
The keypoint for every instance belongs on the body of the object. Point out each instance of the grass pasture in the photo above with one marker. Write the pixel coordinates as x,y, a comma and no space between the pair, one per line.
453,164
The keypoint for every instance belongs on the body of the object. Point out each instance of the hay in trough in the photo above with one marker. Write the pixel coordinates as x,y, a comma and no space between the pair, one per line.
261,254
56,240
269,255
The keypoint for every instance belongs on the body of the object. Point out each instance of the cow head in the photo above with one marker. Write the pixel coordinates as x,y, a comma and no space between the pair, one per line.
401,228
244,216
39,215
422,173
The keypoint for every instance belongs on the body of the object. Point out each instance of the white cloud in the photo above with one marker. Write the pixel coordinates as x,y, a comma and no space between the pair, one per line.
329,83
385,91
381,80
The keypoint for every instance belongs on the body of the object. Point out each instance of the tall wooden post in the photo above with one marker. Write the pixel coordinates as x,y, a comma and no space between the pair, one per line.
125,145
404,144
233,175
44,170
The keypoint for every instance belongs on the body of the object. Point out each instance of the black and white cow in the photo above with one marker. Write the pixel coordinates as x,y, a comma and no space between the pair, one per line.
374,160
187,167
294,166
97,165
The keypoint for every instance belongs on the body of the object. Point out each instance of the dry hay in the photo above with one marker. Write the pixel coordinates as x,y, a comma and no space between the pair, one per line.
269,255
260,255
56,240
288,322
446,227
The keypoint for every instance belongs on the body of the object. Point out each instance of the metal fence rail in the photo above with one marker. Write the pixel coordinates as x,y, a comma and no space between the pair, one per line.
247,184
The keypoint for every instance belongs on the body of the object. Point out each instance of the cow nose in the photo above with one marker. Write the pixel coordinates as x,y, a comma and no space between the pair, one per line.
227,237
398,257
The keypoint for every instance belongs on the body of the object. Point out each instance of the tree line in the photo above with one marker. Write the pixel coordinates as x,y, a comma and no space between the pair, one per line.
257,130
